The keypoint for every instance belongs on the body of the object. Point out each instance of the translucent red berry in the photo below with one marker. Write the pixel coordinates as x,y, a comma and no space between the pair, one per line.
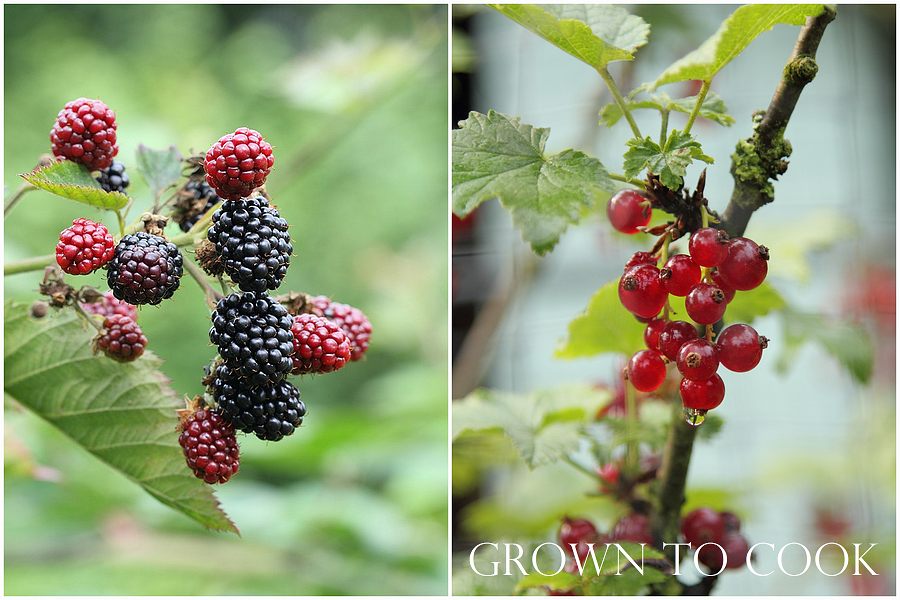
702,525
121,338
673,335
652,331
717,280
740,347
641,291
680,274
209,446
646,370
575,531
640,258
708,246
702,395
632,528
705,304
628,210
320,346
238,163
732,521
85,132
735,547
746,264
84,247
698,359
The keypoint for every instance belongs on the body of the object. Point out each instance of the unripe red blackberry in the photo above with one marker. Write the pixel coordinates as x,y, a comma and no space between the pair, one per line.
109,305
253,335
253,242
84,247
210,446
121,339
320,346
238,163
270,411
349,318
146,269
85,132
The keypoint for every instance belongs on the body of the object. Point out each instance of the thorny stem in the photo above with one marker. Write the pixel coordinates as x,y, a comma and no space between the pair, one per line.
704,89
14,199
617,96
670,493
631,180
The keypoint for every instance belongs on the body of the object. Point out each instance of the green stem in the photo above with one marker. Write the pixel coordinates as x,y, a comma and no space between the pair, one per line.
631,180
121,219
632,458
84,315
617,96
704,216
579,467
704,89
664,128
14,199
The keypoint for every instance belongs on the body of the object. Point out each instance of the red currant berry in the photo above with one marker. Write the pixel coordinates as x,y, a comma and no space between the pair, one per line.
740,347
732,521
702,395
633,528
628,210
680,274
708,246
646,370
745,266
702,525
609,473
652,331
575,531
640,258
641,291
735,547
715,278
673,335
698,359
705,304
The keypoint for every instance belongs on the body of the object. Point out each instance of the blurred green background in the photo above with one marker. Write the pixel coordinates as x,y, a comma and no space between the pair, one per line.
354,101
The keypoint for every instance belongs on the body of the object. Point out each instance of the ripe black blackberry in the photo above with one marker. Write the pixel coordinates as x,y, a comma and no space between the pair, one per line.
194,199
254,243
114,179
146,269
253,334
271,412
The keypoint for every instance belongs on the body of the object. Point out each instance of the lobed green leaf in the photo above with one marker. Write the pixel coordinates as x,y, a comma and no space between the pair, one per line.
497,156
596,34
161,169
846,342
750,305
123,413
713,108
604,326
670,162
73,181
733,37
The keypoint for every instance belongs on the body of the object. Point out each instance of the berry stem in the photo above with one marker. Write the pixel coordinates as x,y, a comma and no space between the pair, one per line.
212,296
704,89
617,96
631,417
17,195
85,316
635,182
121,219
664,128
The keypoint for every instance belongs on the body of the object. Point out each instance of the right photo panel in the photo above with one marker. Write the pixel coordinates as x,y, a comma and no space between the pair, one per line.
673,300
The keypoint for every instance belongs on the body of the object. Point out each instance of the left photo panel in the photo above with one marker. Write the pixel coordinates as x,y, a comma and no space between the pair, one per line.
225,317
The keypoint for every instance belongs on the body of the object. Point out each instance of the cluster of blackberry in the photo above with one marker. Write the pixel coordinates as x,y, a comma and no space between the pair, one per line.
260,343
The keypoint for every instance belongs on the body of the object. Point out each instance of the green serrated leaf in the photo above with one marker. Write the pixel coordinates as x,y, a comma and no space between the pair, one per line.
733,37
544,426
847,342
561,582
161,169
624,581
604,326
758,302
669,162
497,156
596,34
713,108
123,413
73,181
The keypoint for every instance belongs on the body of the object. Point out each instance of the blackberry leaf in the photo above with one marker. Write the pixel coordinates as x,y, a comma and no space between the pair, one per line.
161,169
73,181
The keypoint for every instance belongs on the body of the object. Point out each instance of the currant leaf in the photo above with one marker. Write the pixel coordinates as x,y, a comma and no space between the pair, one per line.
560,582
670,162
846,342
73,181
498,156
733,37
604,326
713,108
750,305
596,34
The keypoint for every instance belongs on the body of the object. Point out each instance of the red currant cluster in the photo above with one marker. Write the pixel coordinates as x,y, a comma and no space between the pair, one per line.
708,278
725,547
577,535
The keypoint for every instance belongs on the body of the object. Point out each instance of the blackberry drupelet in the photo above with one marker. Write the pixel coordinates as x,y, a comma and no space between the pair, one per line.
238,163
349,318
271,412
320,345
108,305
85,132
121,339
146,269
253,334
114,178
